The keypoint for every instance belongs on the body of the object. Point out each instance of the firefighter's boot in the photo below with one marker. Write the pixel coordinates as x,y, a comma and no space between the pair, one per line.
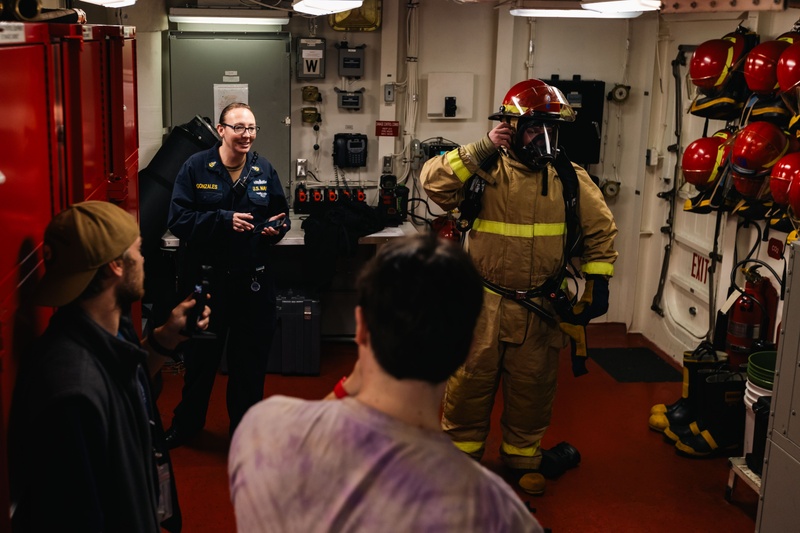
559,459
721,418
529,481
682,412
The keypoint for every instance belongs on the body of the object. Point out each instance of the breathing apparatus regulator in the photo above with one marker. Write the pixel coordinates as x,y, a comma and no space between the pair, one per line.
534,108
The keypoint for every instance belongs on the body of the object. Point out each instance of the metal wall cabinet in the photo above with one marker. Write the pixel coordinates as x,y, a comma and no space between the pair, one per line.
780,499
95,86
205,68
27,162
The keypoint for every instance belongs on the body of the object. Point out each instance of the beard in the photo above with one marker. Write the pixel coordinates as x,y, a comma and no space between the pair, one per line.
131,288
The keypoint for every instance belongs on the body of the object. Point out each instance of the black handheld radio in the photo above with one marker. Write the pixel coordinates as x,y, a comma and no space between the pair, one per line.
200,295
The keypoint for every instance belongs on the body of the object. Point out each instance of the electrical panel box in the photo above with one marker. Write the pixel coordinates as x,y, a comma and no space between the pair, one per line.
351,60
581,139
450,95
310,58
352,100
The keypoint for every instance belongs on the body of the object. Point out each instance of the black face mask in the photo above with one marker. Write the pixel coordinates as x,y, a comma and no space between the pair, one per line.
542,149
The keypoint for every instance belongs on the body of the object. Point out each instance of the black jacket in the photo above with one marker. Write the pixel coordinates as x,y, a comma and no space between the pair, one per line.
85,438
203,204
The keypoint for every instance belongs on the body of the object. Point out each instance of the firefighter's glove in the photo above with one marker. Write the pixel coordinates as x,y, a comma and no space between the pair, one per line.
593,302
577,338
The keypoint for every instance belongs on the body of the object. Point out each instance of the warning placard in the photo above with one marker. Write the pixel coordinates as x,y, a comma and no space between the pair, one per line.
387,128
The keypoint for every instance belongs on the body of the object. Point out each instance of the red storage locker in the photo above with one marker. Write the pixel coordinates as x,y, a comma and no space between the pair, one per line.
81,61
28,168
123,187
69,134
29,178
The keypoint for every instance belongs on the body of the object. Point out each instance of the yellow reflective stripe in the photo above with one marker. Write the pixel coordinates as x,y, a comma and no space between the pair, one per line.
487,289
772,163
520,230
469,447
597,267
523,452
717,164
455,162
715,101
728,63
695,428
709,439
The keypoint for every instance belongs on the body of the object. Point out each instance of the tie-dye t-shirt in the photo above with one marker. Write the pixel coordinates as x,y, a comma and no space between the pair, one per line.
340,466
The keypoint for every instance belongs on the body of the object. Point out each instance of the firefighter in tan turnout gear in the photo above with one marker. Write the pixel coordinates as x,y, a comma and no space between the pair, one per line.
518,241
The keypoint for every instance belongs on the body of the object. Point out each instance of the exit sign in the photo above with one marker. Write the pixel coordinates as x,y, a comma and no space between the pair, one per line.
700,268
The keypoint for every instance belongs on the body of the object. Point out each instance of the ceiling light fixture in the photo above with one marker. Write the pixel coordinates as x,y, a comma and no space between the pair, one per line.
561,9
111,3
325,7
256,17
621,6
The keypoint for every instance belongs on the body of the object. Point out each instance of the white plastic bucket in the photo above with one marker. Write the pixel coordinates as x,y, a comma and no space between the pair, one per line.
752,393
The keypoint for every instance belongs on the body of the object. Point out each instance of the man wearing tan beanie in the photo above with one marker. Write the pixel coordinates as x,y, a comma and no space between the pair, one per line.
86,450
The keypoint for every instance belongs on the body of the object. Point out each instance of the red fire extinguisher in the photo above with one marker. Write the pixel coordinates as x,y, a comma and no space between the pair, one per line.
751,320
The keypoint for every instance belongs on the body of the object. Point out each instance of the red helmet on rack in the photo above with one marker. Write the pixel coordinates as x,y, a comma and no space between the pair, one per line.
793,196
785,171
790,37
703,159
760,66
713,62
788,73
756,148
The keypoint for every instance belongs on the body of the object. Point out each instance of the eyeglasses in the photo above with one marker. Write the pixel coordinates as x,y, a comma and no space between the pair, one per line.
239,129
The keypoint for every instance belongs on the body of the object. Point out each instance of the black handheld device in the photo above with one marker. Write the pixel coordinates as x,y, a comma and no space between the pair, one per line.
200,295
277,223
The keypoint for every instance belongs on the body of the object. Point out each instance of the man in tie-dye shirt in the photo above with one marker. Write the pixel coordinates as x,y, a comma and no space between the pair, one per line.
377,460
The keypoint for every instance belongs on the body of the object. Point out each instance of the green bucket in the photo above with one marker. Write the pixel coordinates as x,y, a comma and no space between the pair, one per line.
761,368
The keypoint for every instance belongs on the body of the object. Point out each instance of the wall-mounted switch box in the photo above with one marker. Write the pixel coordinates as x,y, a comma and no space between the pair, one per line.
387,164
302,168
388,93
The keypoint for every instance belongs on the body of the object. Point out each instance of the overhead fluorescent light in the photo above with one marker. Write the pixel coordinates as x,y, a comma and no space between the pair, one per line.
621,6
561,9
325,7
111,3
255,17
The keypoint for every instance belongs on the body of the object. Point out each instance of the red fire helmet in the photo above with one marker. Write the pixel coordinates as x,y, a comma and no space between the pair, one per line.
714,61
785,171
756,148
788,73
794,195
711,64
760,66
536,99
703,159
790,37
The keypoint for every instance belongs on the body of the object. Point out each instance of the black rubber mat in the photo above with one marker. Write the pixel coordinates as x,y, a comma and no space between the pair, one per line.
632,365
